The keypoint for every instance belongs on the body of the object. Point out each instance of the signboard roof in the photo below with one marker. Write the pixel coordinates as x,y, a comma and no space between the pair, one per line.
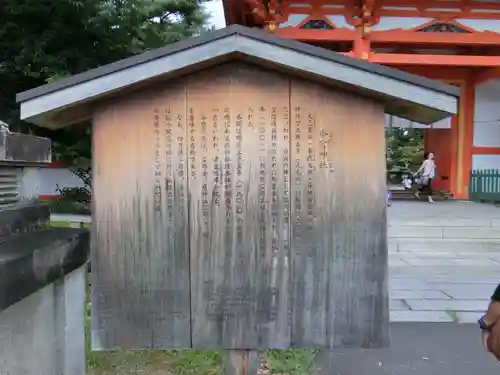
69,100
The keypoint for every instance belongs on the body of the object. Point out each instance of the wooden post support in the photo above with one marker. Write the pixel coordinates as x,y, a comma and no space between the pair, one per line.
241,362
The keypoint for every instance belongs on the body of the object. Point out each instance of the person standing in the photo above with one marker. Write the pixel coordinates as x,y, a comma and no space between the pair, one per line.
427,171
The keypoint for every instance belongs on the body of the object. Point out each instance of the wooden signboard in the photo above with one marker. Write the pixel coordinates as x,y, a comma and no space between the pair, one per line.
241,204
237,208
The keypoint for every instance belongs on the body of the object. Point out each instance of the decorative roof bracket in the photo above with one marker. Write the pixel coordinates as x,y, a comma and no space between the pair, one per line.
265,11
364,15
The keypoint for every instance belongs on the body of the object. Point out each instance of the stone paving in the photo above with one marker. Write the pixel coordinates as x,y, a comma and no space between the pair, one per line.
421,211
444,259
453,297
439,279
416,349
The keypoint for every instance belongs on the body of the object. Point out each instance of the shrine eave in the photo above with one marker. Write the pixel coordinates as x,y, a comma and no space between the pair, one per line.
70,100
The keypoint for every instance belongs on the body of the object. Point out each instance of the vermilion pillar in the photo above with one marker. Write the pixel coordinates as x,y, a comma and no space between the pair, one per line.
462,133
438,141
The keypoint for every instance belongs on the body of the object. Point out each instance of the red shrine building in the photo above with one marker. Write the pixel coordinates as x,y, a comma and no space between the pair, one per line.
455,41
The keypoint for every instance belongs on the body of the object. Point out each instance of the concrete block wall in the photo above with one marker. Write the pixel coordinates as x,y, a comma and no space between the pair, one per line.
43,334
42,271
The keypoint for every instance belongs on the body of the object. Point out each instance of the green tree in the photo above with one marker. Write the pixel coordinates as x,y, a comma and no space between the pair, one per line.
405,150
44,40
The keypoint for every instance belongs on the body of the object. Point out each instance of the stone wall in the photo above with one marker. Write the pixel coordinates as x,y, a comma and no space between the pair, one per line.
42,270
43,334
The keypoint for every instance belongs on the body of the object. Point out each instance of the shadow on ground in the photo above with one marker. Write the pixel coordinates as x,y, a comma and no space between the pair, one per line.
417,349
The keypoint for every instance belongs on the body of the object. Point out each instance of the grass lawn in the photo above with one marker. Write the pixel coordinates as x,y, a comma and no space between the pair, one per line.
66,224
185,362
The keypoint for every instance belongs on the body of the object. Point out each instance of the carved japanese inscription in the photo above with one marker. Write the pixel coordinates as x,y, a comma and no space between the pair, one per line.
239,208
338,220
238,217
140,257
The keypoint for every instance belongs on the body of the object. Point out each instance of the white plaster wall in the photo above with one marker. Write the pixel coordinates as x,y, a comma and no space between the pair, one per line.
340,21
487,115
485,161
44,333
293,20
405,23
30,183
398,122
482,25
51,177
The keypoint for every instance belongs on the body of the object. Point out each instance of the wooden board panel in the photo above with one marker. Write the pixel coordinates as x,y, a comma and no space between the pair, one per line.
338,219
234,210
239,207
140,254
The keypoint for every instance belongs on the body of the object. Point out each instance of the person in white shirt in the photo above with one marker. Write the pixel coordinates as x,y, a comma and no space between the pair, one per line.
426,173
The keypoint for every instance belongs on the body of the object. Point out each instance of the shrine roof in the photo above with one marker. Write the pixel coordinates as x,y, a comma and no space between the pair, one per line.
67,101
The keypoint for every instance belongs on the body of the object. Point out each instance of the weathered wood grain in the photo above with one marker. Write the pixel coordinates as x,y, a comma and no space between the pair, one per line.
251,216
338,217
239,209
140,251
241,362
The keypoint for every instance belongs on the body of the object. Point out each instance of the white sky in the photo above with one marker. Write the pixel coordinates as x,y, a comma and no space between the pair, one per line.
216,11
